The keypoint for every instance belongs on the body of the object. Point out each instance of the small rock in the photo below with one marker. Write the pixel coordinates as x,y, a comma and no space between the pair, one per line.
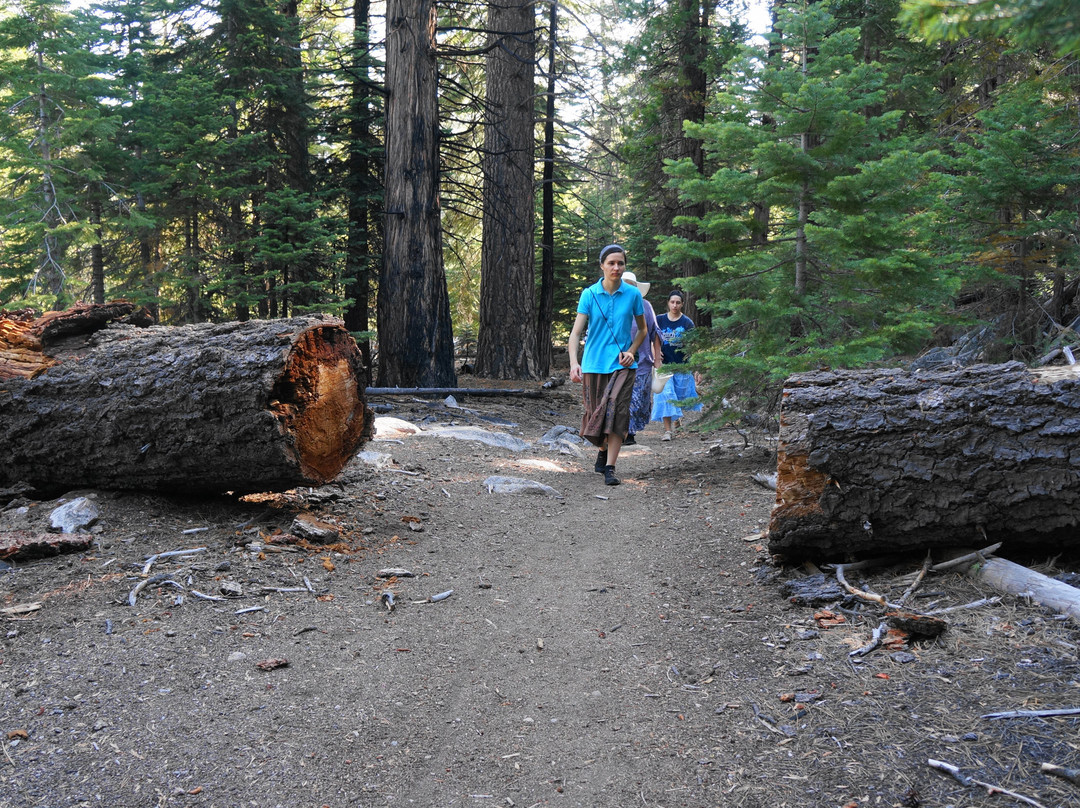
379,460
903,657
308,527
231,589
73,516
518,485
237,656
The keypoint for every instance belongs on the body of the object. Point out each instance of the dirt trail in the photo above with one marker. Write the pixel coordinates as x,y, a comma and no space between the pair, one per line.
615,646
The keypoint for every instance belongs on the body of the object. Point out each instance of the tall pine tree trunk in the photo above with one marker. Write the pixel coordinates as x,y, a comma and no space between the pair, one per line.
547,271
361,185
416,341
506,343
291,131
97,257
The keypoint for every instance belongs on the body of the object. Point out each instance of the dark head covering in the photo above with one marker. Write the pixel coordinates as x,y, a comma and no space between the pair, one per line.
676,292
609,249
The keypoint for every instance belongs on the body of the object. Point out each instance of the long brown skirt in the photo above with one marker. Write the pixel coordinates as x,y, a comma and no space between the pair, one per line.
607,405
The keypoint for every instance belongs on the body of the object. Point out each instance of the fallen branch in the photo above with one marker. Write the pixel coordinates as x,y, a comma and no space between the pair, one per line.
1015,579
448,391
918,580
875,642
978,555
141,585
1034,713
1072,775
170,554
991,789
871,597
975,604
203,596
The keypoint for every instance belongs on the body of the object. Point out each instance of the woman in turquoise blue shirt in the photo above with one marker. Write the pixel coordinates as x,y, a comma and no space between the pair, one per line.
607,368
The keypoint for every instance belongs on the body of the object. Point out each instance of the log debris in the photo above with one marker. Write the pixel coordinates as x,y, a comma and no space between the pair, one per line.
22,545
913,460
247,407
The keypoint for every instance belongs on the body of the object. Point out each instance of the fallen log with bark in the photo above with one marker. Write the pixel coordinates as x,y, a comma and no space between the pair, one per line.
895,460
256,406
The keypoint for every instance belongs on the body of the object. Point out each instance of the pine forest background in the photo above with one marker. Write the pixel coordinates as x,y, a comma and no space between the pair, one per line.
856,182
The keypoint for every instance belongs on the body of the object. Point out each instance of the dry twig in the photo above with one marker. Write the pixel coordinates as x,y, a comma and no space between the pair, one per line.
1034,713
918,580
978,555
991,789
871,597
1072,775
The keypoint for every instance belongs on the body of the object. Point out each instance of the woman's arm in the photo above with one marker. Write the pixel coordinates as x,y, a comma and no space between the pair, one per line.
574,345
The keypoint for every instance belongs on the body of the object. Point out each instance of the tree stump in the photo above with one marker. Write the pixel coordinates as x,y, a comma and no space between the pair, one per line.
243,407
875,461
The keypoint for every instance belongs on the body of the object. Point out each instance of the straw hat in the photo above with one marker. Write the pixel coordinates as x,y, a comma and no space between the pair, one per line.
631,279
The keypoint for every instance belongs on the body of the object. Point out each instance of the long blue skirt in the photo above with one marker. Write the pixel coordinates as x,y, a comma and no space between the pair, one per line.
680,387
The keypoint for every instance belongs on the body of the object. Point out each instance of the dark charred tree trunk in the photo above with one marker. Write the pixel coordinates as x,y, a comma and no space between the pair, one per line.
506,342
546,312
416,341
243,407
97,256
877,461
361,183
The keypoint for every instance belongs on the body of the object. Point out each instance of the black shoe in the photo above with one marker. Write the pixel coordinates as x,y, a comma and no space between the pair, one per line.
601,461
630,440
609,476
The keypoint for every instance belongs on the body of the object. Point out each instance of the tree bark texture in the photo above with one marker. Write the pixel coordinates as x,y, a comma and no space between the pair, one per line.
506,341
243,407
29,345
416,340
877,461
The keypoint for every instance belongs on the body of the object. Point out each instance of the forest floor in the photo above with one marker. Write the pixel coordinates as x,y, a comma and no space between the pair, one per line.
602,646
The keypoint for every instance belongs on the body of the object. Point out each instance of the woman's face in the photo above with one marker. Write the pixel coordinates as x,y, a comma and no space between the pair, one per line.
674,307
614,265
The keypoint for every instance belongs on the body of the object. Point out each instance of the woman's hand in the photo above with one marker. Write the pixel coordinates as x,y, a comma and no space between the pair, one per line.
626,359
576,374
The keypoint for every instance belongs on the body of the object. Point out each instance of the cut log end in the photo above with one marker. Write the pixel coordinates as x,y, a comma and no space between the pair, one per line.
318,399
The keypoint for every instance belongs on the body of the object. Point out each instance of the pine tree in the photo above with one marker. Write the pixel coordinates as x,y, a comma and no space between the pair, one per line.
844,274
50,90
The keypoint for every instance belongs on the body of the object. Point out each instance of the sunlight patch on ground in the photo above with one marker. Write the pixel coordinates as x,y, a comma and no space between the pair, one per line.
543,465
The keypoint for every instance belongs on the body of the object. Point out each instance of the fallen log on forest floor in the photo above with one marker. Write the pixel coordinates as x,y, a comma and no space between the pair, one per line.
450,391
245,407
874,461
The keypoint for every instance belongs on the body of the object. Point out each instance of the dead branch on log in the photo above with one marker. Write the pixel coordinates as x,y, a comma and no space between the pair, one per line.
991,789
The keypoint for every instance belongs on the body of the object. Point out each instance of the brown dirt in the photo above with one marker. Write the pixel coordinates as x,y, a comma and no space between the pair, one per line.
625,646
